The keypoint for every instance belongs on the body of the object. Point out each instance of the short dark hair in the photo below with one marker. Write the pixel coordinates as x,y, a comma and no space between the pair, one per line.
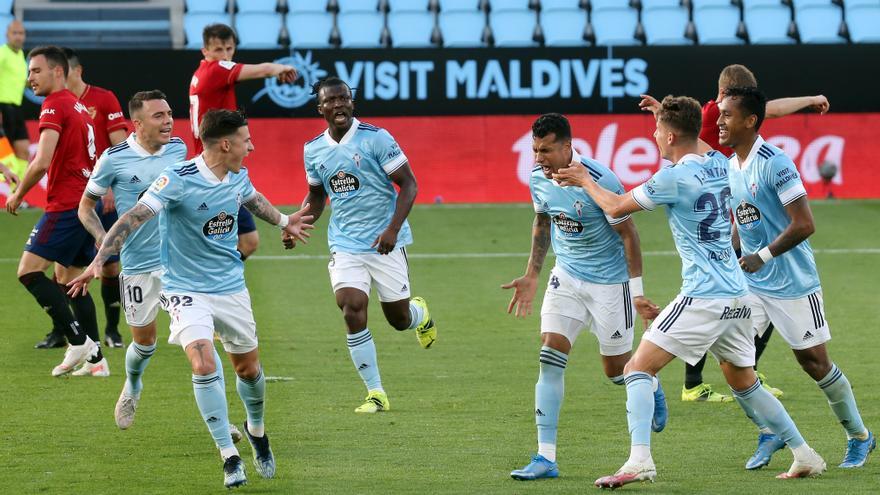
217,124
737,76
751,100
54,55
329,82
72,57
552,123
683,114
137,101
218,31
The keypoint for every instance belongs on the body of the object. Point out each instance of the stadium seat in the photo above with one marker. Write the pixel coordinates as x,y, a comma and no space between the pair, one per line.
411,29
564,27
5,19
347,6
848,4
462,29
194,24
408,5
551,5
768,25
650,4
864,23
459,5
361,29
666,25
717,25
508,5
203,6
819,23
699,4
258,30
797,4
596,5
513,28
615,26
265,6
748,4
309,29
306,6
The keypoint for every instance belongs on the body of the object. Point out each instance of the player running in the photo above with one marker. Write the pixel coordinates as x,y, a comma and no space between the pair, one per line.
773,219
66,149
595,283
128,169
357,166
711,312
213,87
203,286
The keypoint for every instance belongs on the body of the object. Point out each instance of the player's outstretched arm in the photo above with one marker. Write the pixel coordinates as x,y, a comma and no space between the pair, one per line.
36,169
284,73
9,175
632,248
799,229
89,217
613,204
406,181
524,287
781,107
113,241
295,226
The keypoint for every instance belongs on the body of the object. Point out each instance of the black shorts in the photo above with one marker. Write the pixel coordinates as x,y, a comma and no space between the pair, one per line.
13,122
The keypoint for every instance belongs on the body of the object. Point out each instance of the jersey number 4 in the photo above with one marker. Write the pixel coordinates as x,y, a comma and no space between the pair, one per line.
715,206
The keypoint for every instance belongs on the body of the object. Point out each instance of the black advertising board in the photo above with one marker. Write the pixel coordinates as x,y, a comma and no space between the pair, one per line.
505,81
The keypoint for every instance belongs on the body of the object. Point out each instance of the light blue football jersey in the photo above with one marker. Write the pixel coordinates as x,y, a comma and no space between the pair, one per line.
355,173
761,188
198,227
128,169
696,193
586,245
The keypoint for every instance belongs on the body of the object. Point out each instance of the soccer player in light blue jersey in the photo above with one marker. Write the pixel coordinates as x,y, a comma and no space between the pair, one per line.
357,166
203,287
711,312
127,170
595,284
773,220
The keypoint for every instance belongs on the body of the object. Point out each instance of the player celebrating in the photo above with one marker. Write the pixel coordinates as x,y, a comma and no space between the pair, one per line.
127,169
735,75
710,313
774,220
355,165
203,285
66,149
213,87
597,277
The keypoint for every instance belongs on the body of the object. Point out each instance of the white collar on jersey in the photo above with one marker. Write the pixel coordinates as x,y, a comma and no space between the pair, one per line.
693,157
207,174
346,138
734,160
140,150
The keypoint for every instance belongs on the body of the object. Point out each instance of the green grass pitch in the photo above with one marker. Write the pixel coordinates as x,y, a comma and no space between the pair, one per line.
461,415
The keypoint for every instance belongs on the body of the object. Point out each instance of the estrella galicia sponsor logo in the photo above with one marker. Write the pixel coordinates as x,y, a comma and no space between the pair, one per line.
344,183
567,225
748,216
219,226
729,313
299,92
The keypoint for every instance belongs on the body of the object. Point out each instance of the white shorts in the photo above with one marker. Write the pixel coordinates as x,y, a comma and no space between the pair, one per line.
801,322
196,316
571,305
140,297
388,272
688,327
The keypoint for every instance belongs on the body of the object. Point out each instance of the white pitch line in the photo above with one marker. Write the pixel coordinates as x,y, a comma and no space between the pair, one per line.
443,256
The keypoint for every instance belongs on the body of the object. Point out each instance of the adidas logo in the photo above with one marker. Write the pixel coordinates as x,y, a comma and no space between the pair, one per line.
202,207
616,335
403,288
809,335
212,419
134,180
539,412
363,366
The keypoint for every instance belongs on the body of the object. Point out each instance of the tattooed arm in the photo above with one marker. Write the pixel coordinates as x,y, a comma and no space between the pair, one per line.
262,208
526,286
294,226
89,217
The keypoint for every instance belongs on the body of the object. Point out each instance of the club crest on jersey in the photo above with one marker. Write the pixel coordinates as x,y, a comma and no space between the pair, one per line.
219,226
567,225
357,160
344,183
753,189
92,112
748,216
578,207
86,173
